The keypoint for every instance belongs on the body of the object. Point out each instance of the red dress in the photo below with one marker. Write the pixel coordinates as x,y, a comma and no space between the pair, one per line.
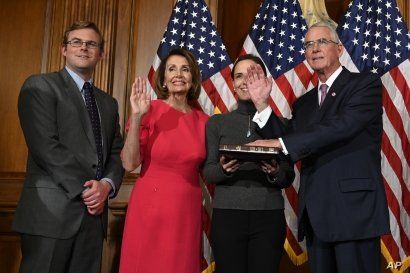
162,230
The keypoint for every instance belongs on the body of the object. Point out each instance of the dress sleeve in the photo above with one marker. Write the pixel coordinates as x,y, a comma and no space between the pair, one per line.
144,133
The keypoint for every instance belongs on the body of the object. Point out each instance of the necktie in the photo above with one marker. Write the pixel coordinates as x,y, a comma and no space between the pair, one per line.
95,123
323,90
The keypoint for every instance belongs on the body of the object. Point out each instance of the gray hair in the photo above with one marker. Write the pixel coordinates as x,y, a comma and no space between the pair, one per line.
330,26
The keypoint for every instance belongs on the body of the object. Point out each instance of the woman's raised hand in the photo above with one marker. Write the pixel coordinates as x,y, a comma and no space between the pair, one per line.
140,98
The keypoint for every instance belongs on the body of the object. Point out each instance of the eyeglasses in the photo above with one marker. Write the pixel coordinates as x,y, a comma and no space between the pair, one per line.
79,43
320,42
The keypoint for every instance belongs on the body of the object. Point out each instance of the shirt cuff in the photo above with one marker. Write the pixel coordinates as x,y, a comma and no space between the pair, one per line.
284,150
262,118
112,191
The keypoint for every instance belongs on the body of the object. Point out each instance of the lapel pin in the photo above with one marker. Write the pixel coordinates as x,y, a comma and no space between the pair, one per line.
333,94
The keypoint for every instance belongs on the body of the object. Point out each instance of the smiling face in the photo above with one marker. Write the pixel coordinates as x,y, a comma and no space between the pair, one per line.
82,60
178,76
239,76
323,59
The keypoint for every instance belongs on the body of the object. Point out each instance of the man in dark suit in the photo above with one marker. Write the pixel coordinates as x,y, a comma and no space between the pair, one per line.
336,132
74,142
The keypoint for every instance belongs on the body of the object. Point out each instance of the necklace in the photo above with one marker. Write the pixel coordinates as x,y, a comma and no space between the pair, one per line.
248,134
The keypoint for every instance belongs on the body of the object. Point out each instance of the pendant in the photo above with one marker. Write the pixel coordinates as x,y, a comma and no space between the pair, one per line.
248,134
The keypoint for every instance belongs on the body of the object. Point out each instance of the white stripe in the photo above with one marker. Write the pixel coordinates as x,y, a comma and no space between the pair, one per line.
398,102
205,102
206,246
396,144
394,184
156,62
404,68
347,62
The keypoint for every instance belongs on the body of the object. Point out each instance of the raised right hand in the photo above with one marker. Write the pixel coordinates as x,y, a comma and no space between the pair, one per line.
140,98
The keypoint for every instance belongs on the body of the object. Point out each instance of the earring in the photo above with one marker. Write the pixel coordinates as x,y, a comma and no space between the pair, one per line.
164,86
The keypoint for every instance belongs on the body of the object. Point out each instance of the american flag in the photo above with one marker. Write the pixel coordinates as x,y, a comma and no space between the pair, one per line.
376,39
191,27
277,37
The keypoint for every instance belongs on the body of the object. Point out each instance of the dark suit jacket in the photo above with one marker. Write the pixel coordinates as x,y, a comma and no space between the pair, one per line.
62,154
339,145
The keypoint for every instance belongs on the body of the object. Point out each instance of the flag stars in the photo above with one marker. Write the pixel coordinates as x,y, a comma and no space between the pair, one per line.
204,20
398,31
203,8
360,6
388,5
387,50
190,46
375,59
195,4
202,39
379,10
201,50
355,41
367,32
172,42
358,18
278,67
357,29
269,52
293,25
213,33
374,70
376,47
377,34
397,54
388,38
191,35
290,59
193,24
194,14
283,22
294,14
284,10
386,62
282,33
378,22
260,38
182,44
175,21
210,64
364,56
293,37
163,40
345,26
211,54
366,44
291,48
399,19
222,58
174,31
397,43
273,18
213,43
203,29
272,30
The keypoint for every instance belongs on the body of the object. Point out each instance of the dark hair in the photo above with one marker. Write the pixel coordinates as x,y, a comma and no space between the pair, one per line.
82,25
251,57
193,93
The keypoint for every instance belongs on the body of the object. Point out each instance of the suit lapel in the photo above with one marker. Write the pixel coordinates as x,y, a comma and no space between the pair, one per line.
334,92
78,101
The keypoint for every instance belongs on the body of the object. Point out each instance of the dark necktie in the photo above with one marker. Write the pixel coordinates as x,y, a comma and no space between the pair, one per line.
323,90
95,123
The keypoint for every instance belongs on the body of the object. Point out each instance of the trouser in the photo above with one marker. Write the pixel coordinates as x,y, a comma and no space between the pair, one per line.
248,241
79,254
359,256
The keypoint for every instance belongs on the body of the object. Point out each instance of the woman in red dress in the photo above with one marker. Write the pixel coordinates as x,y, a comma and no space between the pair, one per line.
167,138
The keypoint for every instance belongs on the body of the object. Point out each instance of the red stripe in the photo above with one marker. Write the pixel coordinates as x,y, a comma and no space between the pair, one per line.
395,119
396,165
294,244
286,89
391,246
151,75
292,197
303,74
213,95
395,209
402,86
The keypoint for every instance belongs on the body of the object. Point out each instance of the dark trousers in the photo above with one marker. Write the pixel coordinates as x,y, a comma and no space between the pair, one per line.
79,254
359,256
248,241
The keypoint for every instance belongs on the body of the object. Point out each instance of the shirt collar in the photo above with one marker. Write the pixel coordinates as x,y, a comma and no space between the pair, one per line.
77,79
332,78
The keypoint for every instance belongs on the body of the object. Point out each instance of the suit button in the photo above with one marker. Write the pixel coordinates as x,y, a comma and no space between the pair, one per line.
94,166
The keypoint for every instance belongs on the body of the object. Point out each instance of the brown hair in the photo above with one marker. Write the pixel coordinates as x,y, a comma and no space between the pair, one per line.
82,25
193,93
251,57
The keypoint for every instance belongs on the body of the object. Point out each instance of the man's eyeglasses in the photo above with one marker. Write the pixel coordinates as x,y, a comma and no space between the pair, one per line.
320,42
79,43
